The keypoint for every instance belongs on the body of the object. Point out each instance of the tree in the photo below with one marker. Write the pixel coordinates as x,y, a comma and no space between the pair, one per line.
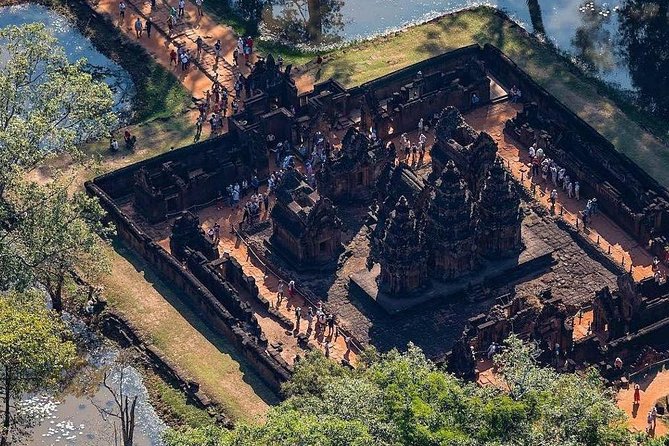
33,352
644,30
48,107
124,407
314,21
536,17
404,399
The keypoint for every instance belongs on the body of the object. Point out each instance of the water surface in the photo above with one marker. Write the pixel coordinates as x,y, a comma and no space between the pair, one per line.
76,46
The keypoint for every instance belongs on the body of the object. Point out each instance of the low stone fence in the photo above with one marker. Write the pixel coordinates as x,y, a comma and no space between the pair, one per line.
269,365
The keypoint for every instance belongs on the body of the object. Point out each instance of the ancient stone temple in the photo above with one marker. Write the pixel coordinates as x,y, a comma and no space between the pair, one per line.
499,215
473,153
350,173
305,228
187,233
400,252
450,231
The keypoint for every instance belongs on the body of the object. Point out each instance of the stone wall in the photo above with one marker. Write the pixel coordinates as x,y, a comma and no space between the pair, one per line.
632,198
271,368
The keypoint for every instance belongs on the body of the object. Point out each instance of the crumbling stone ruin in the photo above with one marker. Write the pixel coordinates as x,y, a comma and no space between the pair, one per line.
350,174
427,228
465,219
306,229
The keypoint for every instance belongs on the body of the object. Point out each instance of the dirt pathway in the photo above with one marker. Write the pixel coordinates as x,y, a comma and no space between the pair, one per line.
268,285
619,245
199,78
652,386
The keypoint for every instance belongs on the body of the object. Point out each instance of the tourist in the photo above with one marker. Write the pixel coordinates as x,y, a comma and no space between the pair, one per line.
492,350
198,126
298,316
475,100
121,9
406,145
235,57
637,395
349,345
198,3
217,50
173,57
420,125
570,189
422,139
618,363
653,414
184,61
148,25
310,318
235,197
291,288
330,320
265,198
210,233
280,287
170,27
561,174
255,184
515,94
577,190
138,27
327,349
113,145
240,44
182,7
554,174
553,198
217,232
414,155
198,43
567,180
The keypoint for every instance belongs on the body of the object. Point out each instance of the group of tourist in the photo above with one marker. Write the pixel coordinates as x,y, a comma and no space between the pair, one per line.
548,168
413,153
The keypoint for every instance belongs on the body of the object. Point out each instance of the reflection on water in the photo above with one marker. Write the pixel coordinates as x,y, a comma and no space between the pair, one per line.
589,30
74,417
76,46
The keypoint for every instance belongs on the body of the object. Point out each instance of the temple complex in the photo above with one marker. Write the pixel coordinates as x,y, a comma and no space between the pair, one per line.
305,226
401,252
450,226
351,172
453,251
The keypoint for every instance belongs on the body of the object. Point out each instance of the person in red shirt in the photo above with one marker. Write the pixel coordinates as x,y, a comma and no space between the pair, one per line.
173,57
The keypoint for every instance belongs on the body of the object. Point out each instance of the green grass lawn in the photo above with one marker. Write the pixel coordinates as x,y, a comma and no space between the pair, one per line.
155,309
368,60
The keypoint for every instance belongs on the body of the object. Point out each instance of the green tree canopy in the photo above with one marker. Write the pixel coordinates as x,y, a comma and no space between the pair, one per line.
33,352
404,399
48,106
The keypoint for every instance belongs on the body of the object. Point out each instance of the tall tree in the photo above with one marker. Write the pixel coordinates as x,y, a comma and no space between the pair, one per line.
33,352
314,21
536,17
48,106
404,399
644,29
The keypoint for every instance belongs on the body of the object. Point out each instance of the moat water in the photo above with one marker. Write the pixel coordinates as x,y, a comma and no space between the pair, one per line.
595,34
76,46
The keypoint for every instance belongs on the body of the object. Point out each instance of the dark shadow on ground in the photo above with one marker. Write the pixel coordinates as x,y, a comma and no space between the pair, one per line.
193,318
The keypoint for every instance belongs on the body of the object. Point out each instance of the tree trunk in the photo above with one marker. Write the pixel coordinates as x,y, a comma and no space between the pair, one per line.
4,435
57,295
315,23
536,17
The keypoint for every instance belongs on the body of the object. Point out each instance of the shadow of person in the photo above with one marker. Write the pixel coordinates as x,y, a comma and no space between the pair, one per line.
635,409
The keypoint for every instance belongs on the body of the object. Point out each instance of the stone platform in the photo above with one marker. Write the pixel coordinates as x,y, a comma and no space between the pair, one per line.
536,256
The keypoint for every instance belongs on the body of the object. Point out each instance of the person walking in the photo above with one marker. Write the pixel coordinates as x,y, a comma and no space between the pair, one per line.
182,7
198,3
310,318
217,50
173,57
121,10
138,27
637,395
199,43
148,26
298,316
